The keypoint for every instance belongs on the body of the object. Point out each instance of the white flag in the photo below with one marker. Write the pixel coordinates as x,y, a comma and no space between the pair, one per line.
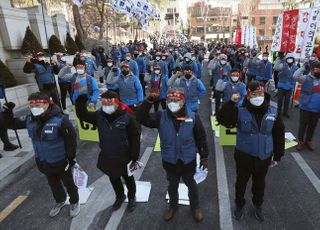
304,16
276,42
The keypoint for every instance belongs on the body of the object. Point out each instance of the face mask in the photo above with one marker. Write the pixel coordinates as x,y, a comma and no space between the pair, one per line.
80,71
128,58
108,109
157,58
171,50
254,54
82,58
234,79
42,59
257,101
125,72
37,111
174,106
109,64
187,59
164,58
188,76
316,75
223,62
157,71
265,58
290,60
193,58
312,58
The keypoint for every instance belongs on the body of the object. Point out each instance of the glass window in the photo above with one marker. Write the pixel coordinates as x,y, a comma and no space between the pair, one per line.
261,32
275,19
262,20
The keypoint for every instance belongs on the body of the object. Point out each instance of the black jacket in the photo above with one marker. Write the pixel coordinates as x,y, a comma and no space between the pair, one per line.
228,116
152,120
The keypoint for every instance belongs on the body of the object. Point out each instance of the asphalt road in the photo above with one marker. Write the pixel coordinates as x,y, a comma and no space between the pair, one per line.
292,196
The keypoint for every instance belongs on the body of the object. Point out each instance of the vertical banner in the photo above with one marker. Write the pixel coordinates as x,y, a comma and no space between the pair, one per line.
294,16
276,42
310,34
254,37
247,35
304,16
238,38
285,31
243,35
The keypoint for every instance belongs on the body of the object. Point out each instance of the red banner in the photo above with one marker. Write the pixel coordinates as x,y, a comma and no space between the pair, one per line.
238,36
289,30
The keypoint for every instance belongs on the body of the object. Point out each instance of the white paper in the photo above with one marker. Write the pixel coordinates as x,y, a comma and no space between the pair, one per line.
200,175
80,177
84,194
143,189
289,136
217,133
132,171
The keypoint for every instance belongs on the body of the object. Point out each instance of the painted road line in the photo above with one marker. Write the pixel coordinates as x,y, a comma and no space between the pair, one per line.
116,217
225,216
307,170
12,206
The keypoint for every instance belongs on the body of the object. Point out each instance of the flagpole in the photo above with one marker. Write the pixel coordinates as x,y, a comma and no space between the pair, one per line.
45,27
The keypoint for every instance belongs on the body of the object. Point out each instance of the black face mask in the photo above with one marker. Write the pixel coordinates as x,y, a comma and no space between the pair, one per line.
188,76
317,75
136,55
125,72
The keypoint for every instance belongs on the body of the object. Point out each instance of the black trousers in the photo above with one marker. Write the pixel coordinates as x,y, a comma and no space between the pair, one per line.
118,187
56,182
64,89
248,166
163,105
217,97
143,84
307,122
284,100
174,173
4,135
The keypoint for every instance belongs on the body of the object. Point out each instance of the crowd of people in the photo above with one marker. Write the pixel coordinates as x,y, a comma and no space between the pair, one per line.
128,80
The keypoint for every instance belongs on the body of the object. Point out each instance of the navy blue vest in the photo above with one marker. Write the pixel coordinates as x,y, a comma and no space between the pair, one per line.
127,89
252,140
191,92
179,145
44,75
310,96
49,146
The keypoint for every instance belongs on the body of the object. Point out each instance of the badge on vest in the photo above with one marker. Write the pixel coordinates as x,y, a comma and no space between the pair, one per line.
272,118
49,131
185,119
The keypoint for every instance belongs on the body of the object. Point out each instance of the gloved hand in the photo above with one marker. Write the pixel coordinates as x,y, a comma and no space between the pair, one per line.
204,163
8,107
152,98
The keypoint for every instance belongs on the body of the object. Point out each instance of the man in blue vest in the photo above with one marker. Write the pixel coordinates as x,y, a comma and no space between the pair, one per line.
309,103
141,61
251,65
182,136
264,70
193,87
130,89
133,65
54,142
286,68
108,70
260,143
119,141
44,74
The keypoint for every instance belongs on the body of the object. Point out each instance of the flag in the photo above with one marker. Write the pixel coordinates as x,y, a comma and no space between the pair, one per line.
276,42
304,16
289,30
238,36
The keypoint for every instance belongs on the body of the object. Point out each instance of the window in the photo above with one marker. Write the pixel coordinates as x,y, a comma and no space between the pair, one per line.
274,21
262,20
261,32
253,21
200,29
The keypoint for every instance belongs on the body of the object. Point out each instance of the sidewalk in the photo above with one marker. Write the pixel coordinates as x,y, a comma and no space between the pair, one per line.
16,163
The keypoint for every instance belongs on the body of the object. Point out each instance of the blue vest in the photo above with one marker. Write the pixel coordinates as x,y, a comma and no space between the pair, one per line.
113,140
217,72
49,146
162,85
230,89
44,75
251,140
127,89
286,77
263,73
191,93
252,68
179,145
310,95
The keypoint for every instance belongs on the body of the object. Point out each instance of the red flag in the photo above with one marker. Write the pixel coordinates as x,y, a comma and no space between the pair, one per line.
238,36
289,30
293,29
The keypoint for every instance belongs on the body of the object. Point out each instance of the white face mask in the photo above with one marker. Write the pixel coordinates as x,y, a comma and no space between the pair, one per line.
290,60
37,111
257,101
108,109
80,71
157,58
109,64
157,71
223,62
265,58
42,59
174,106
312,58
187,59
164,58
234,79
193,58
128,58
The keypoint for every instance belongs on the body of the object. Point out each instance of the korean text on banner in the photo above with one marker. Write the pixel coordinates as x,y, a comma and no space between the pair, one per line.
310,34
276,43
304,16
293,29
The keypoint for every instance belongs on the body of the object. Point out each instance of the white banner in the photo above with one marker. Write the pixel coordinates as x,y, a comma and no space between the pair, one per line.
310,34
243,35
304,16
276,43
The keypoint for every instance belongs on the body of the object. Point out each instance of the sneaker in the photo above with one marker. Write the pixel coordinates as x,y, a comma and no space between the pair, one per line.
258,214
117,204
131,204
310,146
238,213
10,147
56,209
300,145
74,209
